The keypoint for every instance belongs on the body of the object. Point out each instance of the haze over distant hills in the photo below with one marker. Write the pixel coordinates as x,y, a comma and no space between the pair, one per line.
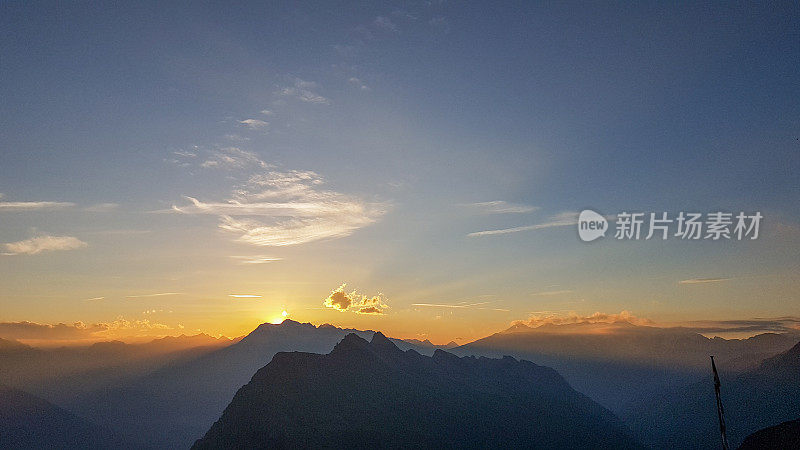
170,391
373,395
28,422
63,373
619,362
687,418
176,404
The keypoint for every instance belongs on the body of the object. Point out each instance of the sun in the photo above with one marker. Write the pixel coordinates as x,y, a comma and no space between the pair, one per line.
280,319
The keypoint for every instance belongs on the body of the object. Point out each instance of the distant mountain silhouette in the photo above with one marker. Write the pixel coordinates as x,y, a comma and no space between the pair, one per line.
784,366
373,395
169,344
61,374
176,404
618,363
782,436
687,418
423,344
28,422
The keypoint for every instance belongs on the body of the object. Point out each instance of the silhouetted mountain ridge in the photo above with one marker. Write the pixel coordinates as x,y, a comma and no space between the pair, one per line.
176,404
784,365
374,395
620,362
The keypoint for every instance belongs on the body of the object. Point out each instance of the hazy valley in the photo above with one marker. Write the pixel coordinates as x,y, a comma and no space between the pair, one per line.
652,385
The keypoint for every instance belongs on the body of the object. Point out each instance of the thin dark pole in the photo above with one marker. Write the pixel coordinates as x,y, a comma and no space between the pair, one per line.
720,410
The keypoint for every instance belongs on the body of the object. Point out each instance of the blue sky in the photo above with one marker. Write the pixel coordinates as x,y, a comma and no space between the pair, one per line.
378,127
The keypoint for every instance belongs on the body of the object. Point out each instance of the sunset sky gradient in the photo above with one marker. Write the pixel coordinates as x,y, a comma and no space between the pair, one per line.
171,169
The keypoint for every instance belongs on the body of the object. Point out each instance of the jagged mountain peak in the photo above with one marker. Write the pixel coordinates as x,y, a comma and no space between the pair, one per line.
287,325
379,345
409,400
383,344
351,341
441,355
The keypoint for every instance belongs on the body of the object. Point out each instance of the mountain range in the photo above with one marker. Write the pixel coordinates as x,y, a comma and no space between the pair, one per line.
172,406
766,395
167,393
374,395
619,363
62,374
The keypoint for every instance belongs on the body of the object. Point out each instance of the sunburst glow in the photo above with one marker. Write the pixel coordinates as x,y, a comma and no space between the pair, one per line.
279,319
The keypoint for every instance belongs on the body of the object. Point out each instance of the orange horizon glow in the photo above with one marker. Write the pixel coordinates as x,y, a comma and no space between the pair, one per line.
569,325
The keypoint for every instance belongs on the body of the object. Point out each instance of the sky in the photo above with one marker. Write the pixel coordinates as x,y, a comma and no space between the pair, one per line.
184,167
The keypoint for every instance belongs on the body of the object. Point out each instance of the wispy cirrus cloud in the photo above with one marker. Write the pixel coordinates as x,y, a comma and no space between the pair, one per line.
256,259
231,158
782,324
40,244
32,206
703,280
552,293
185,153
254,124
287,208
559,220
501,207
303,91
355,302
234,137
564,322
6,206
158,294
244,296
